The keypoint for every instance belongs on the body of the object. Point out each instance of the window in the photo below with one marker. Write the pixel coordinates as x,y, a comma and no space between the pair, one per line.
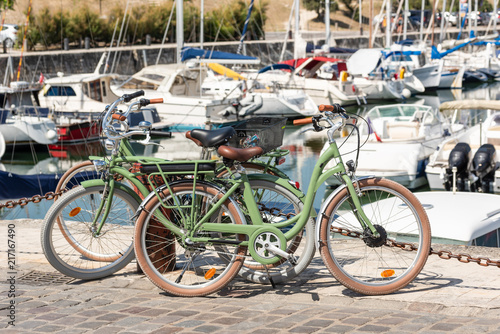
95,90
490,239
60,91
103,85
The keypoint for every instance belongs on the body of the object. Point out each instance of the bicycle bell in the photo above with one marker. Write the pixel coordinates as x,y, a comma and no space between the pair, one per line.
145,125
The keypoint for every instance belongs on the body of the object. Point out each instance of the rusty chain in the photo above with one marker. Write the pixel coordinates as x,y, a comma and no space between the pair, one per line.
443,254
35,199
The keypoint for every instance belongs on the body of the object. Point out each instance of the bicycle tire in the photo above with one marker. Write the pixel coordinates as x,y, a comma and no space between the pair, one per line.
367,266
174,265
77,252
279,203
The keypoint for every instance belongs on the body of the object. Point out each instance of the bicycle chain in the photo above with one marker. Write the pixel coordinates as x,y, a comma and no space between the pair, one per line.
443,254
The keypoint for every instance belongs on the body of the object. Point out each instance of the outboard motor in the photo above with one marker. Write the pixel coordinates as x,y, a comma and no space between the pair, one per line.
483,168
459,158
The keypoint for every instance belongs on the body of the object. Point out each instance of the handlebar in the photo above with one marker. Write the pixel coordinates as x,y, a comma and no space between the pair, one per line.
326,121
110,117
127,97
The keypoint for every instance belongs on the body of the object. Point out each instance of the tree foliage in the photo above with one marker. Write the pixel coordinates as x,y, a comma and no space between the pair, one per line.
50,27
319,7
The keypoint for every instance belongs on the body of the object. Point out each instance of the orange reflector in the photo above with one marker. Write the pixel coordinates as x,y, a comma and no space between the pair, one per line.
387,273
75,211
210,273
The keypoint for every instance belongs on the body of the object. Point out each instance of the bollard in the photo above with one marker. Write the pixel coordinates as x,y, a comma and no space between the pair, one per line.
87,43
66,44
148,39
4,46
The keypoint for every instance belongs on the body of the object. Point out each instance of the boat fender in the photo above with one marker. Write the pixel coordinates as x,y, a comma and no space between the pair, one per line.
402,73
343,76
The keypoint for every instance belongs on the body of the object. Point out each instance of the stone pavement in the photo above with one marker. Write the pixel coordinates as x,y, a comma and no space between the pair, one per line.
447,297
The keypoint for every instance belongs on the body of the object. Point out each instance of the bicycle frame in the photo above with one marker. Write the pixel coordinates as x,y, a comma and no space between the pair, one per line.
188,233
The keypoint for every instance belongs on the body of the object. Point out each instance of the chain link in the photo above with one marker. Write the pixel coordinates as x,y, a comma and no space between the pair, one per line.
35,199
443,254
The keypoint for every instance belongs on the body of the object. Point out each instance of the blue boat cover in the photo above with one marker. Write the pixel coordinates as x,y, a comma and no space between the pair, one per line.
276,67
193,53
15,186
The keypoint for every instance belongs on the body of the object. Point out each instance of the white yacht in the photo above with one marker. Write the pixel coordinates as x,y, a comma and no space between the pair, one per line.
397,141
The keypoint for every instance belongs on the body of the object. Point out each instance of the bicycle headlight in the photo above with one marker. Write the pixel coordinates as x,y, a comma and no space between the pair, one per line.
99,165
109,144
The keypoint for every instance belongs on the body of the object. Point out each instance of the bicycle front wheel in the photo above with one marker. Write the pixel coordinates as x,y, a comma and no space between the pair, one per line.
381,265
182,267
70,240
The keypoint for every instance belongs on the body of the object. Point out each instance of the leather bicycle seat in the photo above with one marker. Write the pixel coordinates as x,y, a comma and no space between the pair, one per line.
239,154
211,138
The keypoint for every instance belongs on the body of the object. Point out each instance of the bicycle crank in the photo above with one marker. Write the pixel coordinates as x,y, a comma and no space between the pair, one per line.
268,246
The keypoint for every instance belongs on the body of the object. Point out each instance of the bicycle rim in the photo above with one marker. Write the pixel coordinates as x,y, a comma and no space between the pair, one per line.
375,266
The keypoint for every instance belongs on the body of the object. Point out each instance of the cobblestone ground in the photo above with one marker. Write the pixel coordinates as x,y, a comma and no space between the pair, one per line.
447,297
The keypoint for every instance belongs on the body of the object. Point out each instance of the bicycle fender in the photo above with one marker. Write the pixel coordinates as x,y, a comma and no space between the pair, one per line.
325,204
284,183
99,182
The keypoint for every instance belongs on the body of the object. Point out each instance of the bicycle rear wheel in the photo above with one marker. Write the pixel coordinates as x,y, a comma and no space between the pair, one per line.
375,266
178,266
69,240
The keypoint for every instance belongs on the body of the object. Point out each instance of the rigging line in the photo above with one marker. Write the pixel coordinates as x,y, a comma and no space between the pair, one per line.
165,33
123,40
120,36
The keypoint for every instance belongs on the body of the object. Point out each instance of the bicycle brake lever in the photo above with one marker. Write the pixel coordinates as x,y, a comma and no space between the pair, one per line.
306,130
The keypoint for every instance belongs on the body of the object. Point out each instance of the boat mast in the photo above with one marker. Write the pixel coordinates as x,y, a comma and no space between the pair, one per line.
297,33
179,27
370,42
422,21
388,25
327,23
245,27
202,22
405,19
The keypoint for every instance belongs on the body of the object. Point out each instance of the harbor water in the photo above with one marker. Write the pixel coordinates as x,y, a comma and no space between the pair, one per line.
304,150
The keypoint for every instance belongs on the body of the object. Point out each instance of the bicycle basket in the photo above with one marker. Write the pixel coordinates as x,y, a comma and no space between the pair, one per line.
266,132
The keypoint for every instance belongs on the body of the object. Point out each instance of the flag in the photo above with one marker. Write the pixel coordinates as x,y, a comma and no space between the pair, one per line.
42,78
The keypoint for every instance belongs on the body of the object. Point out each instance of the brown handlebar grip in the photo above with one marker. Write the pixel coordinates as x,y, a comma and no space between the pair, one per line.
326,107
303,121
158,100
119,117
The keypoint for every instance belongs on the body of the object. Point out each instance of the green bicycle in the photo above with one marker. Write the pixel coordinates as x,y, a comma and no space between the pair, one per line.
373,234
88,231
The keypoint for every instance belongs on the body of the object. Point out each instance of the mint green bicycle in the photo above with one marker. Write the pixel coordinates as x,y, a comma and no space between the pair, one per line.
373,234
88,232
